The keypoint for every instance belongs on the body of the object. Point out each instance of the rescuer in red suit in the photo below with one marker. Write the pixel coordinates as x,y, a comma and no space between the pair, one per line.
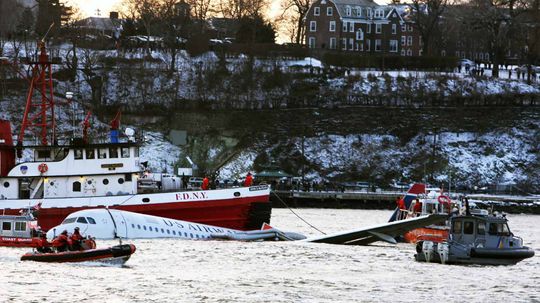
205,182
76,239
249,180
61,242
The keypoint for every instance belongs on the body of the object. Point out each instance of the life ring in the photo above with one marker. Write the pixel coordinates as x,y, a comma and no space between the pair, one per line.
444,199
43,168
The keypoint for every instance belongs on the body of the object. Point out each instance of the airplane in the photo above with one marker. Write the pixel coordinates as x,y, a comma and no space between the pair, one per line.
104,223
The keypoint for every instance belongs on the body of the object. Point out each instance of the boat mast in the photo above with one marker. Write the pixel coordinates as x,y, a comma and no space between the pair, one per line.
36,111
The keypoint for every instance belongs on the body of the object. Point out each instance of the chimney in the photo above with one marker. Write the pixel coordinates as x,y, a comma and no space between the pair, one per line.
113,15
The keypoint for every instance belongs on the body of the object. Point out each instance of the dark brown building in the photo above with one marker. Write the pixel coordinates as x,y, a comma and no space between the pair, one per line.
361,26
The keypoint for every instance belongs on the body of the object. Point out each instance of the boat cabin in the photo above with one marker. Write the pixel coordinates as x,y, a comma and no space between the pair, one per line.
483,231
17,226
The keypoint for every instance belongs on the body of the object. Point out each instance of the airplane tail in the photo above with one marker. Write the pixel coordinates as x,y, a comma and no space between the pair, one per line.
412,193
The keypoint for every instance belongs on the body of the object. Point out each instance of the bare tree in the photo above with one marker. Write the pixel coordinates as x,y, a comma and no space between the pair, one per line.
238,9
427,16
294,11
200,9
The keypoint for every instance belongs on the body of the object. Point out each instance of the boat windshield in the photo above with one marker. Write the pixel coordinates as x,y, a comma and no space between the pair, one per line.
499,229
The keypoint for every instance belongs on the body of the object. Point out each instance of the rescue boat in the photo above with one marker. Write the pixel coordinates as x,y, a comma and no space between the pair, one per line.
21,231
61,175
118,254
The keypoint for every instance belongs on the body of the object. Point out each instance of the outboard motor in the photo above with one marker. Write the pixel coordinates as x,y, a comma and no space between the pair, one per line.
7,151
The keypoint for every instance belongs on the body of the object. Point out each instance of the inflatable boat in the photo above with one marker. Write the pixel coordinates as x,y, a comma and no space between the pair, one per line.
118,254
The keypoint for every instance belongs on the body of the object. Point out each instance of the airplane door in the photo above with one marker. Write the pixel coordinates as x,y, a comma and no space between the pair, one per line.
121,225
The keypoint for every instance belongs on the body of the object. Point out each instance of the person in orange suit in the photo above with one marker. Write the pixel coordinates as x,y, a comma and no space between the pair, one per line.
205,183
249,180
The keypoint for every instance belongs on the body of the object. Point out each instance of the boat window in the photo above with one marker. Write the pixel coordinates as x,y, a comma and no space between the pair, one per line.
77,186
82,220
124,152
6,225
136,151
43,154
90,154
105,181
481,228
468,227
91,220
493,228
128,177
6,184
499,229
113,152
102,153
456,228
20,226
78,154
69,220
120,181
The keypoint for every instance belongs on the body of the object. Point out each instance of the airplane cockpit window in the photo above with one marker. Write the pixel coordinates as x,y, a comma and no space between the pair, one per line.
69,220
82,220
91,220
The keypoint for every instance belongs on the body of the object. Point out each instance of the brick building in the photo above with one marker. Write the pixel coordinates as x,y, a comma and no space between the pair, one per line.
361,26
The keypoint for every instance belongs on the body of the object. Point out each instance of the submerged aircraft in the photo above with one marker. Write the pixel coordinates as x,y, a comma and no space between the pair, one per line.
106,223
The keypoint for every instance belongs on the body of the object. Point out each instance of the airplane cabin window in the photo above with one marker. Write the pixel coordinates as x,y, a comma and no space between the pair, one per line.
144,227
91,220
82,220
138,226
168,231
132,225
174,232
162,231
150,228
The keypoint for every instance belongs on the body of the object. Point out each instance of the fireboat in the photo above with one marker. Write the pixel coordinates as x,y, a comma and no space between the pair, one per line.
60,179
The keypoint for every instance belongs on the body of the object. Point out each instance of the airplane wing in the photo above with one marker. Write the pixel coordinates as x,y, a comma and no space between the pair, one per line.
384,232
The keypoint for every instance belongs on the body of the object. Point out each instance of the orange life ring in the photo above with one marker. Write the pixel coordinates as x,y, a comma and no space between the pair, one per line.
43,168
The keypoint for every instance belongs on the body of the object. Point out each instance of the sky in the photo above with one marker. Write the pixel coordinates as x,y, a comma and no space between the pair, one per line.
90,7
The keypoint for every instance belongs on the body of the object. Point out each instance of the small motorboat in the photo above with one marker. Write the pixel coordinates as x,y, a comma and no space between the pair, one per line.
476,239
21,231
118,254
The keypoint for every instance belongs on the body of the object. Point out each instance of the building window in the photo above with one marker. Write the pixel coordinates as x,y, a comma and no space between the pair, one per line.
333,43
348,10
409,52
351,27
409,27
378,13
409,40
311,42
368,45
351,43
317,11
378,28
394,29
393,46
369,12
359,35
361,47
358,11
368,28
344,43
377,45
403,40
403,27
312,26
332,26
329,11
345,27
76,186
403,52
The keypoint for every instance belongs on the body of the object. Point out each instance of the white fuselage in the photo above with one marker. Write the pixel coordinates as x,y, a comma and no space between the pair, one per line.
110,223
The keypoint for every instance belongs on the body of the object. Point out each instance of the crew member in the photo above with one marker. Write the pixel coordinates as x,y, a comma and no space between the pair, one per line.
249,180
205,182
61,242
76,239
418,206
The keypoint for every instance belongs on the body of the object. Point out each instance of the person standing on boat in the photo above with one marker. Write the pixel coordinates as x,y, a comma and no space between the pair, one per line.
205,183
76,239
249,180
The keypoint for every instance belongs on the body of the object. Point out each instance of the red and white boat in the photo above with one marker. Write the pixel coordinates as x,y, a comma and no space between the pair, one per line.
420,201
64,178
21,231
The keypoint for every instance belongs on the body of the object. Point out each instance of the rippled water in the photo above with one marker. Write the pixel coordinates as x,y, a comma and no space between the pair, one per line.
221,271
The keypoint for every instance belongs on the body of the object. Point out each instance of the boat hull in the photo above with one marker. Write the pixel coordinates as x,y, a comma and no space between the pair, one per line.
436,234
237,208
21,242
115,254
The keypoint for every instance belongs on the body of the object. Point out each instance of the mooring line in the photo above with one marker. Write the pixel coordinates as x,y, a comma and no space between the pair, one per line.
311,225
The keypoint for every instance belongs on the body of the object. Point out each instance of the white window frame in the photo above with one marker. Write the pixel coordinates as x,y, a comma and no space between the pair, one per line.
368,28
378,28
344,43
351,43
312,26
358,11
378,13
348,11
409,27
394,29
361,49
409,52
404,27
409,40
311,42
329,11
403,52
369,12
393,46
316,11
403,40
359,34
378,44
332,26
368,45
344,27
351,27
333,43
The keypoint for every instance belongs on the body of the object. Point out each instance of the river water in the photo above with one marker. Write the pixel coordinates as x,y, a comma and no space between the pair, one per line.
227,271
